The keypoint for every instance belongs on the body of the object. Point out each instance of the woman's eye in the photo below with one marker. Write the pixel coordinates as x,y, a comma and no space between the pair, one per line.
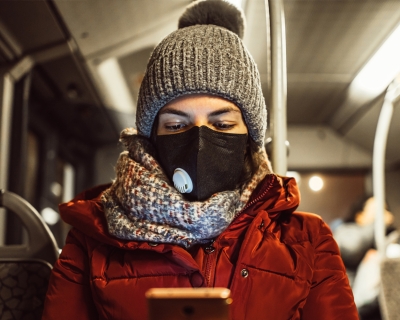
175,127
223,126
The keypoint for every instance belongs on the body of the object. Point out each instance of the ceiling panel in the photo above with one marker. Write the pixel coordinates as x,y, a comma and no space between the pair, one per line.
336,36
101,25
21,26
363,131
307,102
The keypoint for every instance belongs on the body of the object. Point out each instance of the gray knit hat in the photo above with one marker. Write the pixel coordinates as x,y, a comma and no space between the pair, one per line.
203,58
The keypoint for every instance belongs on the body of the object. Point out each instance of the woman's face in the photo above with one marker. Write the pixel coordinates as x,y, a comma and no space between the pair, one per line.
198,110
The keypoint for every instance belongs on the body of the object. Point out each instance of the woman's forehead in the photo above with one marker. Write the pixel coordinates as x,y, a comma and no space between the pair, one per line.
200,102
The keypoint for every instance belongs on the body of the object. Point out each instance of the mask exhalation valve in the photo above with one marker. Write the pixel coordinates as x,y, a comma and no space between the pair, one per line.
182,181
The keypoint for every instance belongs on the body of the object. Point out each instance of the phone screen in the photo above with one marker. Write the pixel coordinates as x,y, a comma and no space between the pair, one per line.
188,303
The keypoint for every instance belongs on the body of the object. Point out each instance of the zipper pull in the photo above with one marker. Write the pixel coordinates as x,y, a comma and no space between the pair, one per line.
209,248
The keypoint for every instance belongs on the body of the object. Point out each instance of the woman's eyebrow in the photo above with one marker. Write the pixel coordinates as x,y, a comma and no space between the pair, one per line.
211,114
174,111
223,110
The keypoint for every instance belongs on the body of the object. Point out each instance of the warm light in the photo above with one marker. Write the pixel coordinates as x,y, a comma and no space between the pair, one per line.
117,90
50,216
381,69
393,251
56,189
315,183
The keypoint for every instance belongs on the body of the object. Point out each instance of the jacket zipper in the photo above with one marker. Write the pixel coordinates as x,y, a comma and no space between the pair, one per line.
210,258
256,199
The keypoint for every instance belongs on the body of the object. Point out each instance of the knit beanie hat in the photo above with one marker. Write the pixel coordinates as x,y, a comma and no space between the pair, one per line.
204,56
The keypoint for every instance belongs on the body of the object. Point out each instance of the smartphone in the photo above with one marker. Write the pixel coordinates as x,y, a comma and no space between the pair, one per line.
188,303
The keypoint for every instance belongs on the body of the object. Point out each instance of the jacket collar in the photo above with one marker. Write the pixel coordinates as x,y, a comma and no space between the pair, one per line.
275,194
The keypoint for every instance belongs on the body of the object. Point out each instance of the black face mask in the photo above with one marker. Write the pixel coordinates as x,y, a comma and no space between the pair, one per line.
202,161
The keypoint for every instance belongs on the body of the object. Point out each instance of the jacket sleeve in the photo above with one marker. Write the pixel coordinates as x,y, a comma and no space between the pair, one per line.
330,296
69,294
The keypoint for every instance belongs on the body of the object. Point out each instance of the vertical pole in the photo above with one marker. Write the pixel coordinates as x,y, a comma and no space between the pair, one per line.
278,125
18,154
6,99
8,78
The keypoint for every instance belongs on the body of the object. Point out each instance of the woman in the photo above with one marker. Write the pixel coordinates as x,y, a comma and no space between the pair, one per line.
194,203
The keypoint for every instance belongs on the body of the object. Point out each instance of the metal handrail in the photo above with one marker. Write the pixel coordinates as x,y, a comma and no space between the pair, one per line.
378,167
41,244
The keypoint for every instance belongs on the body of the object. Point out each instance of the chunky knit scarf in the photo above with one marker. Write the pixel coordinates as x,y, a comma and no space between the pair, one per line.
142,205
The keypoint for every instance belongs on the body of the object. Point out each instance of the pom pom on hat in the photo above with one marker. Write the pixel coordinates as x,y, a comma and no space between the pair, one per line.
216,12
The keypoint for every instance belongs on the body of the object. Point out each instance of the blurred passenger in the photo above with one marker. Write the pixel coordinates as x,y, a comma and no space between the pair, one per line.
356,242
335,223
194,202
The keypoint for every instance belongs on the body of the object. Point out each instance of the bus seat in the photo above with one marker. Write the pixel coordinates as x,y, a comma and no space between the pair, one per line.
23,287
390,281
25,269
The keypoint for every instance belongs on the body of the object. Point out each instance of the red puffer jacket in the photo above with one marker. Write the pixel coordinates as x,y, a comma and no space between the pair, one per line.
279,264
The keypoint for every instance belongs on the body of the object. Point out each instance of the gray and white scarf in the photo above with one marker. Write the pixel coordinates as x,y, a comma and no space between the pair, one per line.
142,205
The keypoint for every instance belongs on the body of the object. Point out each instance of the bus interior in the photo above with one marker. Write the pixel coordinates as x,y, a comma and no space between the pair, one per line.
71,72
